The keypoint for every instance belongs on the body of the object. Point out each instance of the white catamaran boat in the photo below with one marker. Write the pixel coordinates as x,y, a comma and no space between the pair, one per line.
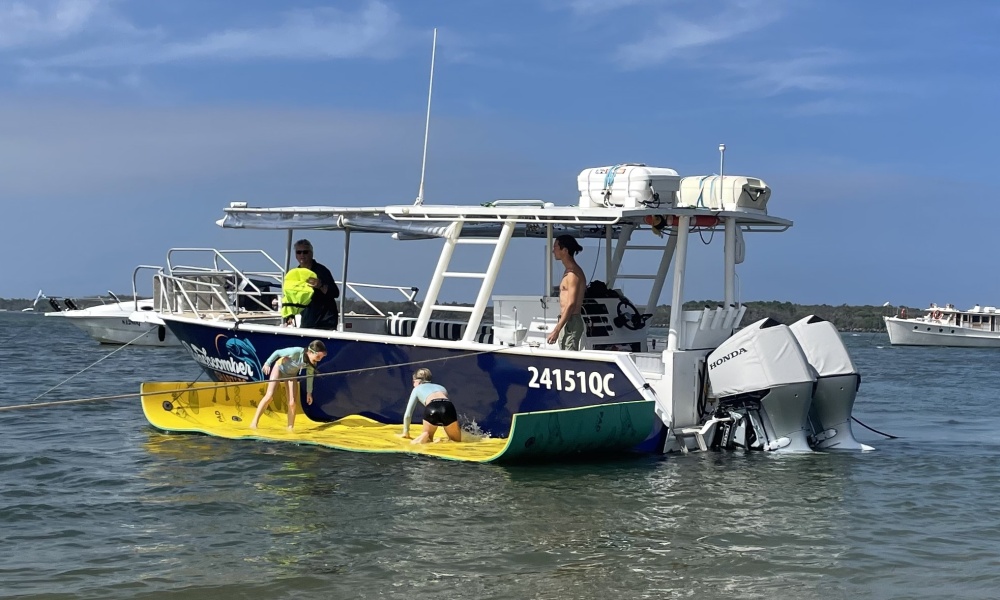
766,387
977,327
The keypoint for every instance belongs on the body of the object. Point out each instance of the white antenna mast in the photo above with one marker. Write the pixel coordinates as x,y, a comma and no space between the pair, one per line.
427,126
722,162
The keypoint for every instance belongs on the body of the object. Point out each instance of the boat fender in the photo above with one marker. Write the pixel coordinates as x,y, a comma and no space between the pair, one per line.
161,333
779,443
825,435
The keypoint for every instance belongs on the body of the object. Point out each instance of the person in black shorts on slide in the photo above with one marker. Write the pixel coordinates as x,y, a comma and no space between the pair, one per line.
438,410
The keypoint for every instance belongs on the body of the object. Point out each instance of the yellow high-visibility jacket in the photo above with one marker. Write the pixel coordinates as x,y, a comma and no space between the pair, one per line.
295,292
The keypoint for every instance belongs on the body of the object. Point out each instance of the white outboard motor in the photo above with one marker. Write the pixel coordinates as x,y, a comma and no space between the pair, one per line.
762,374
836,385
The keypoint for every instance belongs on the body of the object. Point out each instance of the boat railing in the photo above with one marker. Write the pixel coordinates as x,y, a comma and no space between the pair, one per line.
215,284
213,294
212,259
135,290
211,282
408,292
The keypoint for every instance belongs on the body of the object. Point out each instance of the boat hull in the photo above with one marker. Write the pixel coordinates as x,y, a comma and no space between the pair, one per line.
121,331
915,332
371,376
110,324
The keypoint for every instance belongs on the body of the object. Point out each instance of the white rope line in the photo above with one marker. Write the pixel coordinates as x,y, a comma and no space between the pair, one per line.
219,385
105,357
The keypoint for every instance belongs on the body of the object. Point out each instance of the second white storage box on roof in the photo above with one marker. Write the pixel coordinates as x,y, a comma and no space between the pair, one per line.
631,185
740,193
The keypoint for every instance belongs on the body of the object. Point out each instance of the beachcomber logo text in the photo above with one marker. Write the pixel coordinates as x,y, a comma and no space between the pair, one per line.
241,364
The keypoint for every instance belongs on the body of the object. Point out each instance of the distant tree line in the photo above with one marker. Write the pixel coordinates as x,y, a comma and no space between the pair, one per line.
844,317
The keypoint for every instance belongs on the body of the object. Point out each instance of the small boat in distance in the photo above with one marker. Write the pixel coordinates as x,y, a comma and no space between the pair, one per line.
109,322
977,327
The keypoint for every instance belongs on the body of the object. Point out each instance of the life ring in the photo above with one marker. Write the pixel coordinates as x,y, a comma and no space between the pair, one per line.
936,315
902,313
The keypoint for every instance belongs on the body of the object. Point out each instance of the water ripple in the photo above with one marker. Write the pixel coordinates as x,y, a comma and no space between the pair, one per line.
96,504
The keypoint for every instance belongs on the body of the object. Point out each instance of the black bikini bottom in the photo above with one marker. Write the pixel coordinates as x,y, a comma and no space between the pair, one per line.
440,413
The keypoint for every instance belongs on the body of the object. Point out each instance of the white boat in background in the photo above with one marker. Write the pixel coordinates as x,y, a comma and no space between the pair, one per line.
977,327
110,323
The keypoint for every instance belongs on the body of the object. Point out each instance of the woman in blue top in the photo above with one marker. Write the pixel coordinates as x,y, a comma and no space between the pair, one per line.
288,362
438,410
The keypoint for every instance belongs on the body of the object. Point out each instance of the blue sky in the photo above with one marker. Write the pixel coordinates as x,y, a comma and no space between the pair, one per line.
126,126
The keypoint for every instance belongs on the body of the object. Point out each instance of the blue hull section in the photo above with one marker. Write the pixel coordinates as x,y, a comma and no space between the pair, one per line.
374,379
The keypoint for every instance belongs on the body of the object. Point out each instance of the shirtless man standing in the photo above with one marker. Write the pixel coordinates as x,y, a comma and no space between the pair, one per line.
570,328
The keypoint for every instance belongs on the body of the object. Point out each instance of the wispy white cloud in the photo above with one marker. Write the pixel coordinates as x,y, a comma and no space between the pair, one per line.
375,30
722,37
588,8
812,71
674,35
39,23
318,34
828,106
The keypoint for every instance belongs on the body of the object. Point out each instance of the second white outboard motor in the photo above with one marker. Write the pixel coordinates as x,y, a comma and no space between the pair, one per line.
762,374
836,385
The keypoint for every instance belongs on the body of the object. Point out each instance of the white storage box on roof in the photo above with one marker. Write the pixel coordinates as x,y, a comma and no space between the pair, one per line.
630,185
737,193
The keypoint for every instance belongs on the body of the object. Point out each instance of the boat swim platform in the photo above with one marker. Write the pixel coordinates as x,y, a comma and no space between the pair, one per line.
220,410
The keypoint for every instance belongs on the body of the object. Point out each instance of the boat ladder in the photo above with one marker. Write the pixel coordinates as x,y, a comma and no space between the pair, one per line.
453,239
666,255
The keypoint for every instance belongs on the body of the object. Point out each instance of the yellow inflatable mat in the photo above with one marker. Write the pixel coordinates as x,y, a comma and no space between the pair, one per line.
225,410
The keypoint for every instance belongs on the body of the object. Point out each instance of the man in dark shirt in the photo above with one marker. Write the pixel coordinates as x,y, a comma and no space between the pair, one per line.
322,312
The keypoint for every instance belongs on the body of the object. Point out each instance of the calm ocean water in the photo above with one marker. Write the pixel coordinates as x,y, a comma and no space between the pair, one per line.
96,504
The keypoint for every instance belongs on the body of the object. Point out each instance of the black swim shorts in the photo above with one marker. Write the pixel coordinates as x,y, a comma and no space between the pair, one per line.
441,413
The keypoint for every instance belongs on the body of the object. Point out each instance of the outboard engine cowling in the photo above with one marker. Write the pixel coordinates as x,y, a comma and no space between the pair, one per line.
762,373
837,384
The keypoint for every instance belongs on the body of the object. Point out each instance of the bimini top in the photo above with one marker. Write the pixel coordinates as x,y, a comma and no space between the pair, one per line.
616,196
532,218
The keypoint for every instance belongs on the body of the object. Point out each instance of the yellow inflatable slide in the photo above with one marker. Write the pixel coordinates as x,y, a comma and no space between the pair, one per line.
225,410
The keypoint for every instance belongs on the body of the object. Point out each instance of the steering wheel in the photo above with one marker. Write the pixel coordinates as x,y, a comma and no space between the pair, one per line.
630,319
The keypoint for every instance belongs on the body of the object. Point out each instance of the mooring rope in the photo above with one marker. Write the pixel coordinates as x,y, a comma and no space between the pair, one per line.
103,358
223,385
858,421
219,385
